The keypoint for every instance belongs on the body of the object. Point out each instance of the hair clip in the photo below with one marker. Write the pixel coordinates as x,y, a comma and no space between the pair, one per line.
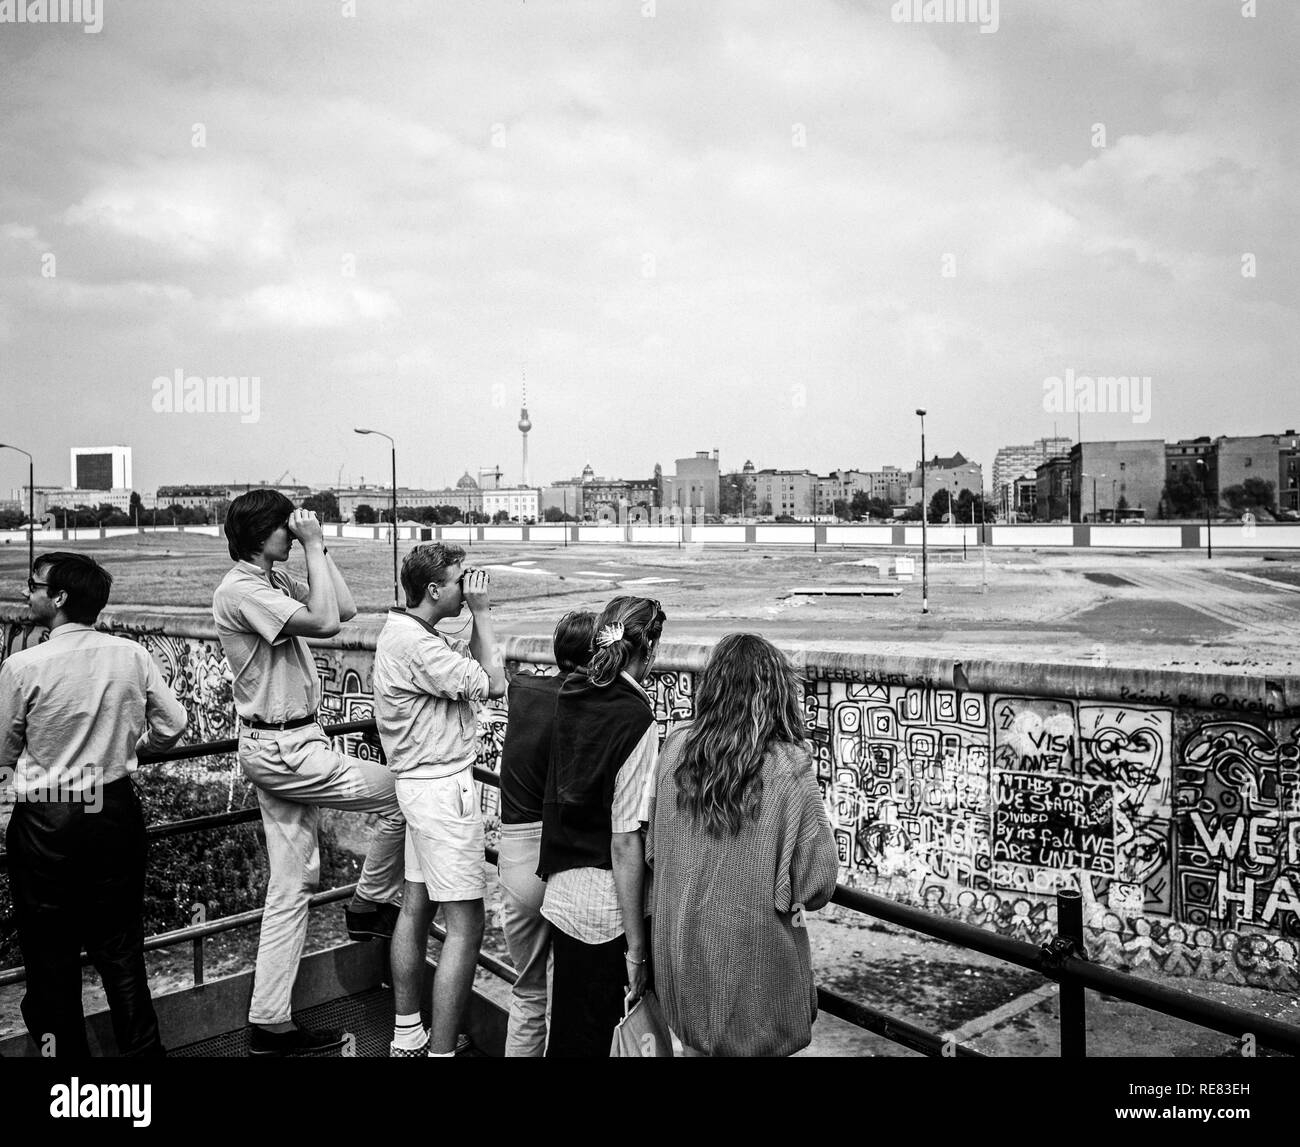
610,635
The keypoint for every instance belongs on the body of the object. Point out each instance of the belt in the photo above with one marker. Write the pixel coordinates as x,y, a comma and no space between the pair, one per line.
295,723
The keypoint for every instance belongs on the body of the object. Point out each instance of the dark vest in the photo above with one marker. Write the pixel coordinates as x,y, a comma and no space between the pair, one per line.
595,732
526,751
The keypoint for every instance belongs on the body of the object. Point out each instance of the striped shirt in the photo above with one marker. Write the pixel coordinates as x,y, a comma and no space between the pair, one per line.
75,709
583,902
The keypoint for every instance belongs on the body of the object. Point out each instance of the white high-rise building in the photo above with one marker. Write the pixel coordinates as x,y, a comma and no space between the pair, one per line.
1014,462
100,468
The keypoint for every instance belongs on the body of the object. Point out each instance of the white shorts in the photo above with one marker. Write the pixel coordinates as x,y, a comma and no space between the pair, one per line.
444,836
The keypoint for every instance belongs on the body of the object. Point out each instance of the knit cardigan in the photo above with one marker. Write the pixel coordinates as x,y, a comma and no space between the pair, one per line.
732,965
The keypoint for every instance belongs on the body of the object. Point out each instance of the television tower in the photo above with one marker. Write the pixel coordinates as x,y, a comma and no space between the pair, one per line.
525,425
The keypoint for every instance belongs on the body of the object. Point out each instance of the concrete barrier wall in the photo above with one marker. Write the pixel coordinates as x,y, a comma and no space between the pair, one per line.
1265,536
1170,800
1031,535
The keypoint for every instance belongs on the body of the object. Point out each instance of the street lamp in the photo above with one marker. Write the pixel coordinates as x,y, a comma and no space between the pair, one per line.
31,503
393,445
1094,478
925,543
1205,493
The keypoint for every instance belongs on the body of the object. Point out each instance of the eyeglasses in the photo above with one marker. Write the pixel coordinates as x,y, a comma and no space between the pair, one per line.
33,585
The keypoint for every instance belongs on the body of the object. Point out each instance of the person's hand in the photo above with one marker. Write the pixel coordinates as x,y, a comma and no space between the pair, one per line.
305,526
636,976
474,586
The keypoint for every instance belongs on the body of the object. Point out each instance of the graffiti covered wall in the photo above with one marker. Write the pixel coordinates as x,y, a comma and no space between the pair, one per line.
1171,802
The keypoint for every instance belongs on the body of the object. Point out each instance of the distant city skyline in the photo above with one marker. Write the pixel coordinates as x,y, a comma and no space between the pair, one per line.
766,227
480,475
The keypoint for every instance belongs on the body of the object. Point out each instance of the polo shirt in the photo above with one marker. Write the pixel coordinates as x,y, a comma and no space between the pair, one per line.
274,675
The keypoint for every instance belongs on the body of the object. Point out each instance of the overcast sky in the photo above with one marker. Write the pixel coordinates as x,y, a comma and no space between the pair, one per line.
726,224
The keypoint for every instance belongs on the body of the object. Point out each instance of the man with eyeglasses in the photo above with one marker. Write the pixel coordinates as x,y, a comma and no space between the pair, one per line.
427,688
74,712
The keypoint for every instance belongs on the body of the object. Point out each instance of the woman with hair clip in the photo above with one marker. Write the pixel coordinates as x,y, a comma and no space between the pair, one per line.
603,751
741,848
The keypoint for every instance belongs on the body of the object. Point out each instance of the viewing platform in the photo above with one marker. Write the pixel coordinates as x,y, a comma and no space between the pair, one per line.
930,768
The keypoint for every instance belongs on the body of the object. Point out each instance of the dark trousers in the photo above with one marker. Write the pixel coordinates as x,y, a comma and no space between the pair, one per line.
587,987
77,878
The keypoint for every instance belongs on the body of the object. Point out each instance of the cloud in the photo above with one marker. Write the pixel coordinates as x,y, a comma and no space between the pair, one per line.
112,300
195,211
306,305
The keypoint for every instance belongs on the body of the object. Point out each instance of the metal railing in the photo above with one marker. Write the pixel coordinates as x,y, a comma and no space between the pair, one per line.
1062,960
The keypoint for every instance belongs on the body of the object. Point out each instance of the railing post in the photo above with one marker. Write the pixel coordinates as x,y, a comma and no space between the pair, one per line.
1069,927
198,961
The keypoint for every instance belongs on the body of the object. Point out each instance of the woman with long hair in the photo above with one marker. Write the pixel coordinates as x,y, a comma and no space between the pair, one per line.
741,849
604,745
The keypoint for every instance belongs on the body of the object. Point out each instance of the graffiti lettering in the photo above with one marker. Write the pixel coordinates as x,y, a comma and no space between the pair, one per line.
1182,831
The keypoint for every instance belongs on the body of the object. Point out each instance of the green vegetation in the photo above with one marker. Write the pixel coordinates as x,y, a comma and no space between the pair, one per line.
222,869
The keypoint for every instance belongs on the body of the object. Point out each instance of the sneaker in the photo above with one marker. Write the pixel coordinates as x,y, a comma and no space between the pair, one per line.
376,922
395,1052
299,1040
463,1047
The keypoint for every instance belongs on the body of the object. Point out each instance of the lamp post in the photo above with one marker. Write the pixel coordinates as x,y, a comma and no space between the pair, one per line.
31,503
957,523
925,544
393,446
1205,493
1094,478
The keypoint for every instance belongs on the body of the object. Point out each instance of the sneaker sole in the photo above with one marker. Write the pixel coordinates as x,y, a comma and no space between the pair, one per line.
270,1053
296,1052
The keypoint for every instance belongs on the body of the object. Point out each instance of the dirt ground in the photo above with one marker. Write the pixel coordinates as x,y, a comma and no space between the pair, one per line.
1144,609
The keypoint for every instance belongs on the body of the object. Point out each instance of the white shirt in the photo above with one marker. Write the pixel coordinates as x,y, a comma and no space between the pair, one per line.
426,689
77,707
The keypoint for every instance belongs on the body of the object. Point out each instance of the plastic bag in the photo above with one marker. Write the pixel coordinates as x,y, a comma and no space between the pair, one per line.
643,1031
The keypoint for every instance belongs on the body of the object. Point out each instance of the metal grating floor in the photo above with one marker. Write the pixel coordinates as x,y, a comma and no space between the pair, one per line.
368,1016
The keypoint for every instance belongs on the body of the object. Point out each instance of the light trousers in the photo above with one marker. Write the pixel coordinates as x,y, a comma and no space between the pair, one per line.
297,773
528,937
